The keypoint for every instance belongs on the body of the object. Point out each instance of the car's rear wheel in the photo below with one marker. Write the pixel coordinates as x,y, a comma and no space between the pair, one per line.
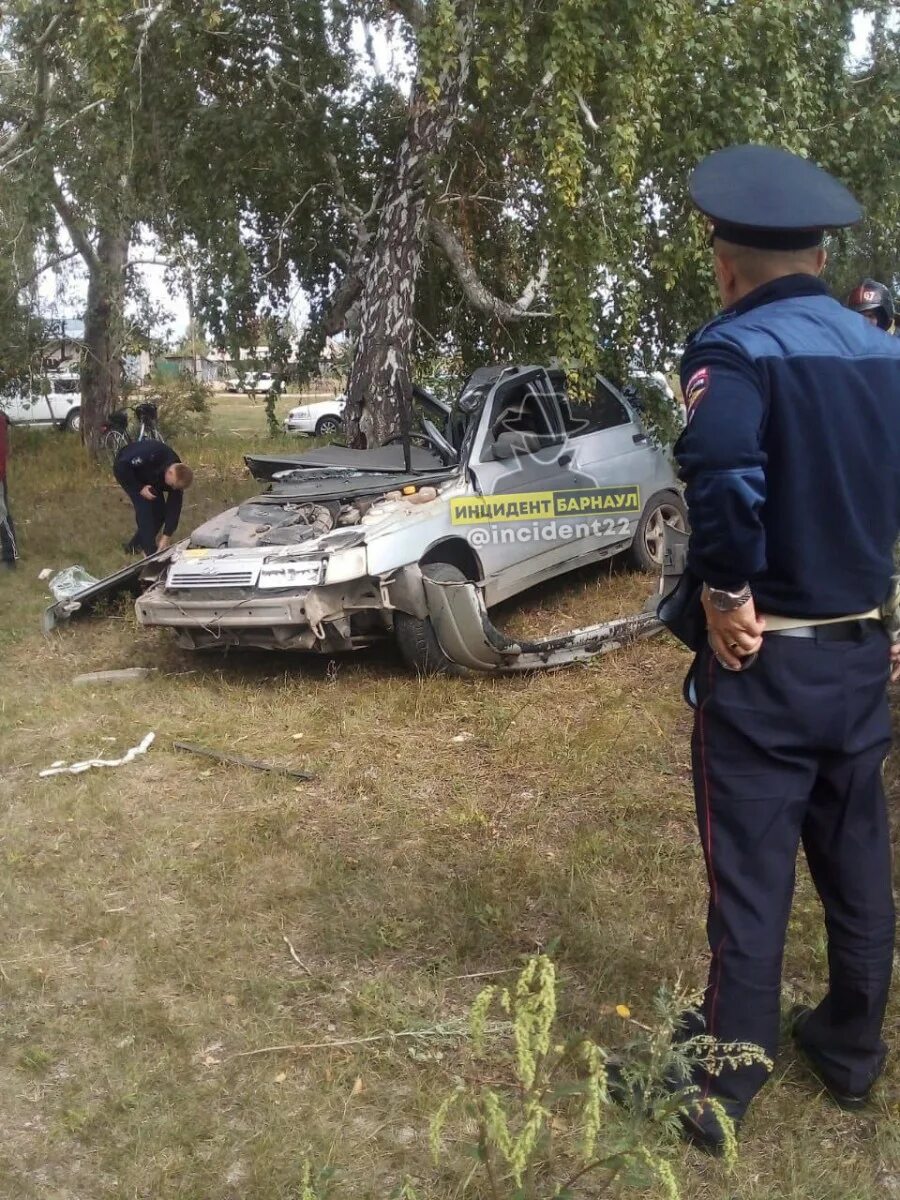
73,421
646,551
328,426
416,640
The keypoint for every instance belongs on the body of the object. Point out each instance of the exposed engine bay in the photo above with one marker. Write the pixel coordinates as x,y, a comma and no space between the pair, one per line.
289,524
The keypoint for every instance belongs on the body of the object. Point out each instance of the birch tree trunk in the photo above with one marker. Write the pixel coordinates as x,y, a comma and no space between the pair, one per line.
380,386
104,326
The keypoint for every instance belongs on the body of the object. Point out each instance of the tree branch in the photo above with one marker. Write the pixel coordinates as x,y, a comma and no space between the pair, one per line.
412,11
351,211
6,162
350,290
586,113
74,227
50,265
43,89
474,290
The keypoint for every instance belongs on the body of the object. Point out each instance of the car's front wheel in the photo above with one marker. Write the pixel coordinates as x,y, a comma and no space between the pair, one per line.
416,639
73,421
328,426
646,551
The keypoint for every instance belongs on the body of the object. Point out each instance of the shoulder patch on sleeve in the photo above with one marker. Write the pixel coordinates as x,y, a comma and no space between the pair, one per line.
695,389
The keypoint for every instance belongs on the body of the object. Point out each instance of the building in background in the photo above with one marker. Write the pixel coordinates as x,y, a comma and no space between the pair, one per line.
64,346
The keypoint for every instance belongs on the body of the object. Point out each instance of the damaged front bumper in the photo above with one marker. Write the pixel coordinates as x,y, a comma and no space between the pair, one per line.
321,619
357,612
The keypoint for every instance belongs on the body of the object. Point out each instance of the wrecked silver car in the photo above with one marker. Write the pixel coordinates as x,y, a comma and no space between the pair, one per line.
513,484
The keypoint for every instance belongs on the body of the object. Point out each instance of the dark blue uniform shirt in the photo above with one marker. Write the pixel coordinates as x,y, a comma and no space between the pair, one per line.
144,463
791,453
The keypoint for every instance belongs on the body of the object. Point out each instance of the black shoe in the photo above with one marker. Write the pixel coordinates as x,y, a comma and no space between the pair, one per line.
702,1128
622,1091
848,1101
131,548
699,1125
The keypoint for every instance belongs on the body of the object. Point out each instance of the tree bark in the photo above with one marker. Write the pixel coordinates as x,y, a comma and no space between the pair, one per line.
104,327
380,387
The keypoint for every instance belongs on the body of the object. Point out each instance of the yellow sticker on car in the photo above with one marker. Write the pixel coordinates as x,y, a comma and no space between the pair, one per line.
530,506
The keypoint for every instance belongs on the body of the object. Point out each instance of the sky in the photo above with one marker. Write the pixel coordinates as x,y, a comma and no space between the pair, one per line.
63,294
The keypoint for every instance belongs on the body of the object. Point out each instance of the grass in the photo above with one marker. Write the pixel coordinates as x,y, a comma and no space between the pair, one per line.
453,827
239,414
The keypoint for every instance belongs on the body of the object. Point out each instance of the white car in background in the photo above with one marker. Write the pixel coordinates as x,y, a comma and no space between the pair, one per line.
319,418
258,382
54,400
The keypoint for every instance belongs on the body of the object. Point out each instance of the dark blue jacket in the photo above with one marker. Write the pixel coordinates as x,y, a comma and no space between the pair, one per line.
144,463
791,453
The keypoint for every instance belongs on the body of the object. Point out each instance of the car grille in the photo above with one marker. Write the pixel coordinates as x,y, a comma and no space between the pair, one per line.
196,579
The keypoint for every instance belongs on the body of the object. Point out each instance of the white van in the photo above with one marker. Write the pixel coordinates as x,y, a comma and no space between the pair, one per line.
53,400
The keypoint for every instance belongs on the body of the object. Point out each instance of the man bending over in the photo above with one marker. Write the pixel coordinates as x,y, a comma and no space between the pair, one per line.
153,477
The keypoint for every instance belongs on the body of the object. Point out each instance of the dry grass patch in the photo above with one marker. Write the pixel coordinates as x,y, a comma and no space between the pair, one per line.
453,827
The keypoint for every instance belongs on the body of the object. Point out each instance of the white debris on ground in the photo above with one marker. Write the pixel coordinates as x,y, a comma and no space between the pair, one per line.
123,675
60,768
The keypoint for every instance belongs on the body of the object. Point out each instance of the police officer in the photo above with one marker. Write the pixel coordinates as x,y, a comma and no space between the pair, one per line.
789,457
873,301
153,477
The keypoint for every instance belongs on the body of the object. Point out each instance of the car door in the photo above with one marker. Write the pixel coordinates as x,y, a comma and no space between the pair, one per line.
34,403
609,445
62,397
520,457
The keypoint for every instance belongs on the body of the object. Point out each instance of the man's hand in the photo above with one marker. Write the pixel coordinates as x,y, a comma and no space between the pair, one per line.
163,542
148,493
733,635
895,661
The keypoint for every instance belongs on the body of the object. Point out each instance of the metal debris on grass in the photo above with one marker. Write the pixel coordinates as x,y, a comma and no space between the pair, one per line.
237,760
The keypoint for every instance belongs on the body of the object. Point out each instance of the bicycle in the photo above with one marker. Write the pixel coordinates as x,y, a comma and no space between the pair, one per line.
115,435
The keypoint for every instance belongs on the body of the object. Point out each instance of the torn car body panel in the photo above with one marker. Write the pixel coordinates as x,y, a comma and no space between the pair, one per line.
129,578
468,637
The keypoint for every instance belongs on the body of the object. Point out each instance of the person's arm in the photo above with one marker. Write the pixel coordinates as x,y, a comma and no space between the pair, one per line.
174,500
722,464
723,467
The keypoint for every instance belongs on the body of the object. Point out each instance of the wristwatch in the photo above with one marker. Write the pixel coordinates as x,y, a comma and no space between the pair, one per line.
723,601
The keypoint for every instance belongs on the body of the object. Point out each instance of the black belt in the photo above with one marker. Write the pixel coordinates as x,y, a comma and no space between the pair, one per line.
837,631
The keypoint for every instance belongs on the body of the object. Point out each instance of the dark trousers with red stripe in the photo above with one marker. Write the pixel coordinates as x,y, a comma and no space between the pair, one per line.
789,751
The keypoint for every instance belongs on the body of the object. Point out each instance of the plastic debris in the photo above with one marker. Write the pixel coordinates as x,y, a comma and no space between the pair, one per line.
68,583
125,675
60,768
46,573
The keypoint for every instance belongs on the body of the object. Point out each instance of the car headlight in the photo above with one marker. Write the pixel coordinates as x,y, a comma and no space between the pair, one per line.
344,565
290,574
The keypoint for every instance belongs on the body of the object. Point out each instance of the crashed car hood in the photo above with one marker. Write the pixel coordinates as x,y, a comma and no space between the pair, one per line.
386,459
